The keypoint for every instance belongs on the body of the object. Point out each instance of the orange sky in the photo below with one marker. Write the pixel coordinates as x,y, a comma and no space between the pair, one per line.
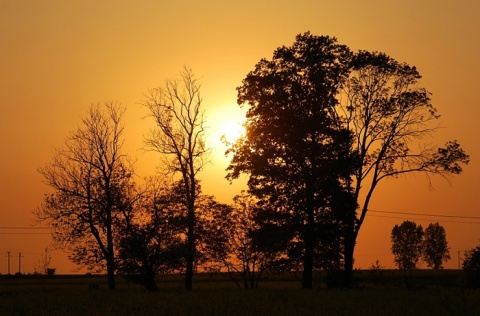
58,57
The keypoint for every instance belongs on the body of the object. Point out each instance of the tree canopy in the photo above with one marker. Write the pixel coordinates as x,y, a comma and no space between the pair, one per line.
295,150
407,244
436,249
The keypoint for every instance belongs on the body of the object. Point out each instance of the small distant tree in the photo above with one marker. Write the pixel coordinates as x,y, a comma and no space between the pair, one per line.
43,264
376,266
436,249
471,265
407,244
376,271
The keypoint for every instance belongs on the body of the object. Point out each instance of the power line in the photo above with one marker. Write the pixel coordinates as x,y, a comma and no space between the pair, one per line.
423,214
29,230
23,227
23,233
425,219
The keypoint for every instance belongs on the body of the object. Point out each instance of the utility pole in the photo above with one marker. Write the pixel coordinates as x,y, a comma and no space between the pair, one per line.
459,260
8,256
46,263
19,263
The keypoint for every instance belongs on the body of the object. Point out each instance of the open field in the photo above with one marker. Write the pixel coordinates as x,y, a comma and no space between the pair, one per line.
433,293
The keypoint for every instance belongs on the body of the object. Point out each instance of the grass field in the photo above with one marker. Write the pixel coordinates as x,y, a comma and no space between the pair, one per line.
433,293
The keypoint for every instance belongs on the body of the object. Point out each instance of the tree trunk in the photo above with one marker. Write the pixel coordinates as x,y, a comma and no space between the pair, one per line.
190,257
189,275
150,284
309,241
252,280
110,255
350,241
111,272
307,277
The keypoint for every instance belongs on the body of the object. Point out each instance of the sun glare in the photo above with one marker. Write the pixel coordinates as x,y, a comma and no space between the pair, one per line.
231,131
225,126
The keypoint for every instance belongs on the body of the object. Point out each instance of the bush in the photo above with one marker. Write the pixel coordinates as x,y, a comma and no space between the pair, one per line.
471,265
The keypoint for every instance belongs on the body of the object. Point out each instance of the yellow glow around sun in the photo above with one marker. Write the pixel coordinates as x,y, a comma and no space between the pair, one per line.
224,125
232,130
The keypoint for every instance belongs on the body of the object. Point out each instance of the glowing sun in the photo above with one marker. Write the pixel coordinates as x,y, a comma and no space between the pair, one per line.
231,131
225,127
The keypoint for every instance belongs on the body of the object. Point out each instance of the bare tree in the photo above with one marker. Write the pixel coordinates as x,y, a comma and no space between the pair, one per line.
90,178
42,267
179,137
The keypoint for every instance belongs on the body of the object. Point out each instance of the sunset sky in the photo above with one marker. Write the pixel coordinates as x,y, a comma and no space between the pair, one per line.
58,57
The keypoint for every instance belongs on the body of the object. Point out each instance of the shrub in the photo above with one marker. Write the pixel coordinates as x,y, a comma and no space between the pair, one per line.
471,265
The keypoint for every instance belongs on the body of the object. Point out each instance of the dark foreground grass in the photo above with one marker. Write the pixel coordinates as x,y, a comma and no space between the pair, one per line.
229,301
380,293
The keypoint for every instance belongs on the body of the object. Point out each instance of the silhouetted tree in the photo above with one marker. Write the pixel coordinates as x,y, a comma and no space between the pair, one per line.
180,139
471,265
243,256
436,249
43,264
91,180
295,151
407,244
151,239
155,236
389,114
213,227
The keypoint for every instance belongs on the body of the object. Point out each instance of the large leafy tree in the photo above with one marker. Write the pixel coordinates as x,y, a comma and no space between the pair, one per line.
392,120
436,249
92,185
295,151
179,137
